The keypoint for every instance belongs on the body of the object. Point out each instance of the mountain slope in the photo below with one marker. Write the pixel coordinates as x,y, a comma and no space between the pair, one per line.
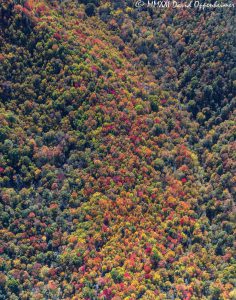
103,195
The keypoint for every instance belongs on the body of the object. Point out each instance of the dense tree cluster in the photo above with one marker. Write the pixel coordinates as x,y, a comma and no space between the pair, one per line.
190,51
114,181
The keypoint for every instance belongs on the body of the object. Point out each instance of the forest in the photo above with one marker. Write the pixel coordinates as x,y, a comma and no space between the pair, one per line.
117,151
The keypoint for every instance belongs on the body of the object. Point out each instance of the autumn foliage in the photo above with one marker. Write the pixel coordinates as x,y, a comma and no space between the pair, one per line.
116,182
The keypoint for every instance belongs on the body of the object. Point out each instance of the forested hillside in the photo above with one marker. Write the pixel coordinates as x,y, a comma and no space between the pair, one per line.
117,152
